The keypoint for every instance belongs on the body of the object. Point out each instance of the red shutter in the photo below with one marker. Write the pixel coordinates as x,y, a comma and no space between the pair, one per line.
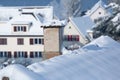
69,37
77,38
31,41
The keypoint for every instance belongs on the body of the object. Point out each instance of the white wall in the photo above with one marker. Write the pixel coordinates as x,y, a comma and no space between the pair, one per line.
12,45
96,14
73,31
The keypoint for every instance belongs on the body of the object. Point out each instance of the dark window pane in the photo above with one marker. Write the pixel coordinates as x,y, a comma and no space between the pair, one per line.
19,54
18,28
40,41
40,54
22,54
1,54
36,54
22,29
36,41
5,54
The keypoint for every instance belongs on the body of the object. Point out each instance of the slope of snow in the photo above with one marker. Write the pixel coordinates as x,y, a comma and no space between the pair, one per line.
98,60
18,72
99,64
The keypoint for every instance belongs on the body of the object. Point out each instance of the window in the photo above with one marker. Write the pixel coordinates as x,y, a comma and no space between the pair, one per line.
1,54
15,28
25,55
99,12
36,41
5,54
15,54
35,54
3,41
71,38
20,41
31,55
42,41
9,55
20,54
19,28
24,29
31,41
69,27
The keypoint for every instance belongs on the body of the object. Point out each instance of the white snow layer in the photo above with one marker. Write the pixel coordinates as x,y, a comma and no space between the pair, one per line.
98,60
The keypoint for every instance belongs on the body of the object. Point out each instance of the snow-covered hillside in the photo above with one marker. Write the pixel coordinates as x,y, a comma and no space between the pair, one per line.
98,60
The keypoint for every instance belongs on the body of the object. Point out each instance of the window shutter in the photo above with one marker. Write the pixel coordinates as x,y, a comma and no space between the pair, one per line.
31,41
24,29
15,28
15,54
31,55
26,55
68,37
77,38
42,41
9,55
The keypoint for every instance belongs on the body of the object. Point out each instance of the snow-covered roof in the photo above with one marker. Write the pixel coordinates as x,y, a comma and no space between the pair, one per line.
98,60
83,24
6,29
51,23
101,4
34,15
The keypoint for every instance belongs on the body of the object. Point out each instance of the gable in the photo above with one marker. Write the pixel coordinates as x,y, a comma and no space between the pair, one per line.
70,29
100,12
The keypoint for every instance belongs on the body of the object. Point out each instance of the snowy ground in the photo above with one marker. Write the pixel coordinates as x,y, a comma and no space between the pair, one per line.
98,60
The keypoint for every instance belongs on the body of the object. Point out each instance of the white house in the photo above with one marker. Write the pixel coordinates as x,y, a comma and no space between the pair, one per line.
99,10
22,34
75,32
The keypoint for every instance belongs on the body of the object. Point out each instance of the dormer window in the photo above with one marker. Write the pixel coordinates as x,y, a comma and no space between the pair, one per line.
19,28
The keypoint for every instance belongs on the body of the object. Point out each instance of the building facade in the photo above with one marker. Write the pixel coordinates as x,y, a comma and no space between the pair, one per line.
75,32
22,36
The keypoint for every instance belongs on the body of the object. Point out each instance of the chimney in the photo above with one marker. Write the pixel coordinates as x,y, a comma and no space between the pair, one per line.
90,34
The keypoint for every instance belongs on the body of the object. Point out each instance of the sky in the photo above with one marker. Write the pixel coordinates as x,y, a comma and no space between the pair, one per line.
24,2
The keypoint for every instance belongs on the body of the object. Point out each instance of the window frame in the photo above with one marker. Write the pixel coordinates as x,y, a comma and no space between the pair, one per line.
20,41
